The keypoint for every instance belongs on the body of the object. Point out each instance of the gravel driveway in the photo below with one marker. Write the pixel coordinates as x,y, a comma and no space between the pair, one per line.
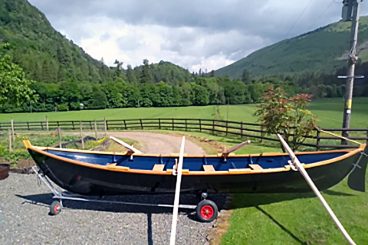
24,219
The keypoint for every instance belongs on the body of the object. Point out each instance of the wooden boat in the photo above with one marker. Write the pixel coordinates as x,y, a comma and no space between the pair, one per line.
108,173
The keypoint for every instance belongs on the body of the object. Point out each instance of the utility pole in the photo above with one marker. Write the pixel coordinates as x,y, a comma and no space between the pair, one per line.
350,11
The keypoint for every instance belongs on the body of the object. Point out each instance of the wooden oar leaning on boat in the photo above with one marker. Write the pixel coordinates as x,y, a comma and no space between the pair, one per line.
227,152
299,167
126,145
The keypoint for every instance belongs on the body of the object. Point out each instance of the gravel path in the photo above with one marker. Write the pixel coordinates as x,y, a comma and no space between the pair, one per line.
24,218
24,207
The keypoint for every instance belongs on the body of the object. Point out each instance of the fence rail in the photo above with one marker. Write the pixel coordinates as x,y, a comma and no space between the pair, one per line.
216,127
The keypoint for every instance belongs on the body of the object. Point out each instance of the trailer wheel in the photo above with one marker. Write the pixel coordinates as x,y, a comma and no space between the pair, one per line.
206,211
55,207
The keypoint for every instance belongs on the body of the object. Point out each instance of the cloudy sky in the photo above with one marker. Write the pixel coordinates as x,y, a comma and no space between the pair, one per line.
206,34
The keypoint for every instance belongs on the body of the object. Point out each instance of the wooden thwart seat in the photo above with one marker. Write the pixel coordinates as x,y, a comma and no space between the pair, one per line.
158,167
208,168
255,167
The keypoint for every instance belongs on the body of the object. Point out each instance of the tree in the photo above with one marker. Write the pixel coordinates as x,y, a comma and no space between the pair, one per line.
245,76
146,75
286,116
14,87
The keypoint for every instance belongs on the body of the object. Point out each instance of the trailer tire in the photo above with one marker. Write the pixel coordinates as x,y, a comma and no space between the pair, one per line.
206,211
55,208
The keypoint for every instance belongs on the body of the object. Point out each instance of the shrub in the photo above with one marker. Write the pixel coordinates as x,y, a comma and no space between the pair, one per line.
287,116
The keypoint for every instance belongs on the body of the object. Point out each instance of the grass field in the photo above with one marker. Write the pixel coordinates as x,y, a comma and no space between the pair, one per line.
329,112
264,218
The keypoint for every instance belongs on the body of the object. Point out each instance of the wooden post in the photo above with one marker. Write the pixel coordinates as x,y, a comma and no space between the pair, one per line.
96,130
105,126
12,130
47,124
140,121
81,134
213,127
241,129
227,127
10,140
200,125
125,125
59,134
172,124
318,139
186,125
159,123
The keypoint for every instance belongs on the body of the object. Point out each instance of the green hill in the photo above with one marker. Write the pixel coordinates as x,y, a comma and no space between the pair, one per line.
321,51
44,53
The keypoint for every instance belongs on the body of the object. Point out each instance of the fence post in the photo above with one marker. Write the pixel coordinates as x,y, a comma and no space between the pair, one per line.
10,140
200,125
172,124
105,126
241,129
140,121
186,124
213,126
81,134
318,140
96,130
12,130
227,128
159,123
59,134
47,124
125,125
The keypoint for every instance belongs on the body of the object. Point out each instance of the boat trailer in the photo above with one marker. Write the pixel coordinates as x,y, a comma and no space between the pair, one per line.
206,210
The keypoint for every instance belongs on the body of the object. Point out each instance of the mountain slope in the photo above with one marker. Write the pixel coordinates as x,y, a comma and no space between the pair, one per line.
44,53
323,50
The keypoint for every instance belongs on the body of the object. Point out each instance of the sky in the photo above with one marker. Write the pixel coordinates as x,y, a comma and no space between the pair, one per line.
201,34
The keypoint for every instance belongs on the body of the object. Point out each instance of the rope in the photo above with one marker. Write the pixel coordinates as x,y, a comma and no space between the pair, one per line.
338,136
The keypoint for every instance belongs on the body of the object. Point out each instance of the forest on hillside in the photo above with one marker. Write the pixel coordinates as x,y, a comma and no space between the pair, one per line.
64,77
160,85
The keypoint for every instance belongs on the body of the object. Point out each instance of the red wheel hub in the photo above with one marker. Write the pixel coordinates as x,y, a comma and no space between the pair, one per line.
207,212
57,208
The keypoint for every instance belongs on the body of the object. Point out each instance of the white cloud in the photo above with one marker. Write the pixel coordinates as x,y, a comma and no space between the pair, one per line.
202,34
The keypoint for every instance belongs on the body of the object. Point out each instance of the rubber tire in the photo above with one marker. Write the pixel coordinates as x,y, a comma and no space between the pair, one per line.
210,206
55,207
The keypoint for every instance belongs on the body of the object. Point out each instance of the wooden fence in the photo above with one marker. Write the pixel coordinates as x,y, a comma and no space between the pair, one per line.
214,127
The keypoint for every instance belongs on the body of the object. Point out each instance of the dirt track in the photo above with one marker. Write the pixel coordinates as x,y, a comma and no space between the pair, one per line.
160,143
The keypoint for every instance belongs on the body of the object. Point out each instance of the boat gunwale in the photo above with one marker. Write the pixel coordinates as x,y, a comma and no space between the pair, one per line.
240,171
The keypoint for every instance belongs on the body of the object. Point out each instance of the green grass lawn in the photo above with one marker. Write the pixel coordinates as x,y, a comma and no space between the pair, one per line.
329,112
264,218
298,219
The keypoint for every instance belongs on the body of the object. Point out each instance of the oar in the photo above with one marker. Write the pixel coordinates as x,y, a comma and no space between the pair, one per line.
236,147
177,193
126,145
310,182
338,136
